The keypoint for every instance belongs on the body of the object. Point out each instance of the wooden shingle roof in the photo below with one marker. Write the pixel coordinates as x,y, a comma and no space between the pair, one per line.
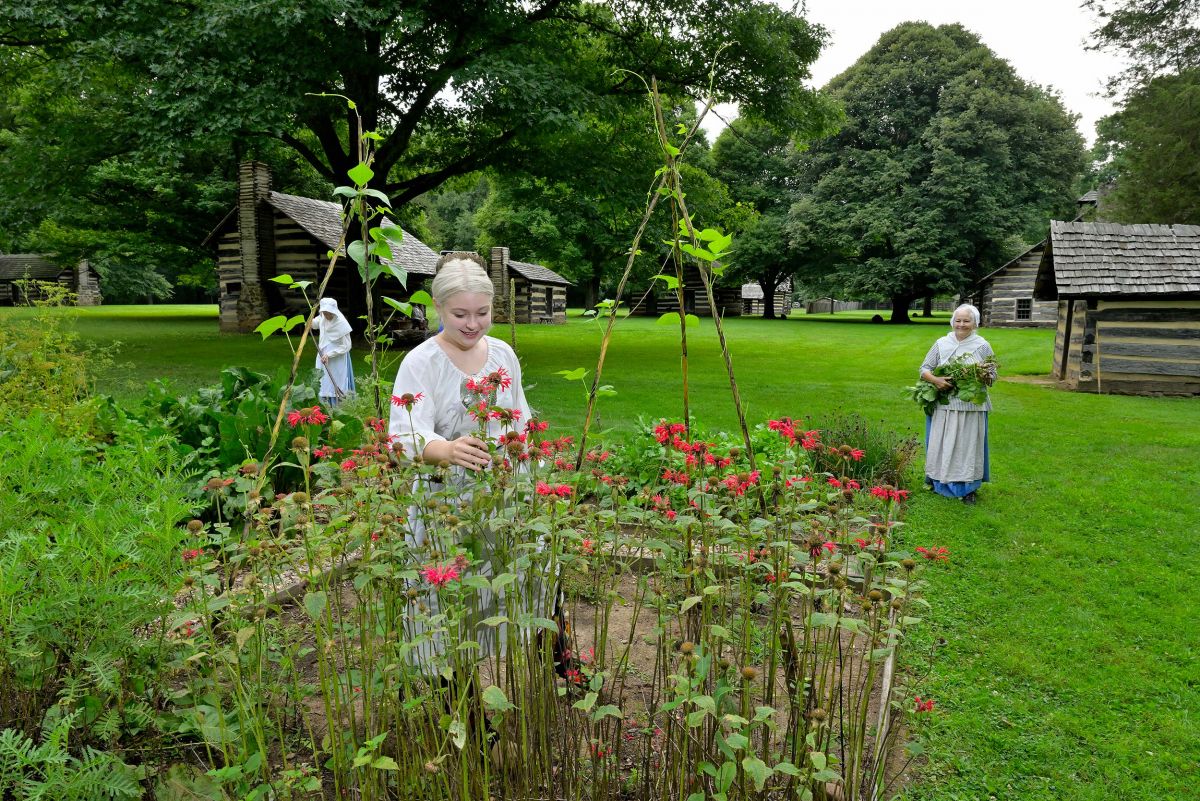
15,266
1091,259
536,272
323,219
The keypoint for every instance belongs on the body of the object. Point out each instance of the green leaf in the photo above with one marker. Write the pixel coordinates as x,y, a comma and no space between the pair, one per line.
495,620
357,250
725,776
787,769
360,174
293,322
671,149
606,391
495,699
757,770
737,741
270,326
608,710
314,604
694,719
385,763
381,250
373,136
691,320
400,306
243,636
375,193
688,603
818,760
587,703
822,620
669,318
573,375
283,279
421,297
671,281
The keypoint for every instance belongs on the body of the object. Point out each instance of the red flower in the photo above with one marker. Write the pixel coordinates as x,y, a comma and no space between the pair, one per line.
349,465
376,424
860,542
543,488
534,425
936,554
500,379
191,554
563,490
833,482
587,546
786,428
923,706
308,416
670,514
829,546
794,480
857,454
440,576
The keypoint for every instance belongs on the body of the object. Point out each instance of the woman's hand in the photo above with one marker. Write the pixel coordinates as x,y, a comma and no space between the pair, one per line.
469,452
940,383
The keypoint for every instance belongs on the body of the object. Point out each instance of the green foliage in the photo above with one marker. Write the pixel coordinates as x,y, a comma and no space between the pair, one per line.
43,368
1152,153
219,428
969,382
51,772
88,560
945,155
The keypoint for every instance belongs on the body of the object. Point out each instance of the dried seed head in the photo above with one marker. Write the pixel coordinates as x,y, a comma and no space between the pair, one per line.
897,603
255,551
188,581
194,525
248,469
300,497
816,715
444,463
839,583
749,673
260,613
251,580
834,568
413,592
432,767
776,470
908,564
686,647
724,664
452,520
300,443
875,596
387,520
214,484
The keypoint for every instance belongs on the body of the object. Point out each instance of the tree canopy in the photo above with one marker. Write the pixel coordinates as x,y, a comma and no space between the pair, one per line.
946,160
1148,150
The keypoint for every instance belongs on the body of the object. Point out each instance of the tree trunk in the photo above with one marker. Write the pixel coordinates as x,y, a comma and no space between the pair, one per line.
927,307
900,304
591,291
768,288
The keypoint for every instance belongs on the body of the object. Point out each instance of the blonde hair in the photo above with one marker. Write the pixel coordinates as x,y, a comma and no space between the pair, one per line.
460,271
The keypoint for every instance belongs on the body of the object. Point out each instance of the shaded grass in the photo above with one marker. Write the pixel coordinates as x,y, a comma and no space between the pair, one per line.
1069,666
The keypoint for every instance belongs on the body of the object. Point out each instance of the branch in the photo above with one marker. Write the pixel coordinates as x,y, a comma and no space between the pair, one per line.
307,153
419,185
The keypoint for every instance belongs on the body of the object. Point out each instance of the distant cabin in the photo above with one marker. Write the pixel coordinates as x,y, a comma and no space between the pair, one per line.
1128,302
541,294
17,268
657,299
1005,298
270,234
754,299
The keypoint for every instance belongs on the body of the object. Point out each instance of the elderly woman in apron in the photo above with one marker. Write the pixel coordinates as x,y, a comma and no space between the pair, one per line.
956,435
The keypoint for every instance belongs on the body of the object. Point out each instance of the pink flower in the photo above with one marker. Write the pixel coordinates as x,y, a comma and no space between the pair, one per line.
670,514
440,576
935,554
829,546
308,416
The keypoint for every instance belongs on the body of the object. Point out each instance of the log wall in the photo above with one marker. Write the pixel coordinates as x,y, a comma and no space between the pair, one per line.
1001,293
1147,347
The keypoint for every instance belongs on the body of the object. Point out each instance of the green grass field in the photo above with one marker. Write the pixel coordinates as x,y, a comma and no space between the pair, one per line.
1068,664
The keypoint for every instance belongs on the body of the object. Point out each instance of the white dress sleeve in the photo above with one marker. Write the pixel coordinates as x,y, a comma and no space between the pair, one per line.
417,375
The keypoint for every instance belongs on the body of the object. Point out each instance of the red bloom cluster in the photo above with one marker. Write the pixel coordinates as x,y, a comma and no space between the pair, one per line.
923,706
937,554
797,480
815,550
738,483
888,493
191,554
491,383
376,424
321,453
676,476
308,416
587,547
786,427
664,432
440,576
534,426
561,491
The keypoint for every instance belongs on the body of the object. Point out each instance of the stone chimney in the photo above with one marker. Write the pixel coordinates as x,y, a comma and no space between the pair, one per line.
256,242
498,272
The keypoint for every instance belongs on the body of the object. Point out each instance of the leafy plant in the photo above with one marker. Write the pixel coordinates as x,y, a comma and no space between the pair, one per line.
969,382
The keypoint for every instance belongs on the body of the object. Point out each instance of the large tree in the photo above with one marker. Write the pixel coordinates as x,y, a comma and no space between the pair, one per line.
756,161
1150,149
946,155
454,87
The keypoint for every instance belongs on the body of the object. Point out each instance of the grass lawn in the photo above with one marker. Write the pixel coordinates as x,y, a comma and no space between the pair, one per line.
1069,667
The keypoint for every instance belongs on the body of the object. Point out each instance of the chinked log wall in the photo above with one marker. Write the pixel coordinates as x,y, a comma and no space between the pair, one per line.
1001,294
1135,347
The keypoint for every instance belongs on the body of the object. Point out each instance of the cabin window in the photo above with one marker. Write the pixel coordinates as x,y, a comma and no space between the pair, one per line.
1024,308
549,300
233,287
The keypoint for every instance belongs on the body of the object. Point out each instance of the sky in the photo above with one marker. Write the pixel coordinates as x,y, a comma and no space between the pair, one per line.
1044,40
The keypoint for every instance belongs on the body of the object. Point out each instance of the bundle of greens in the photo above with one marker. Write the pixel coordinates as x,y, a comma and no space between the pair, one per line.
969,381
